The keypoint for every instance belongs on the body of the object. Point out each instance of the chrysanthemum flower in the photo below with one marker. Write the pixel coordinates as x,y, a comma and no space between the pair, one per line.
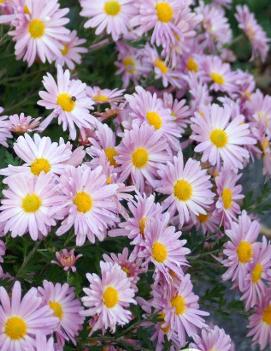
71,51
260,322
207,223
40,154
259,109
21,124
4,129
109,297
253,31
142,209
22,318
69,101
146,107
259,272
182,311
66,307
42,344
140,153
67,259
229,195
89,203
240,250
188,187
212,338
163,247
112,16
43,33
105,96
221,139
29,205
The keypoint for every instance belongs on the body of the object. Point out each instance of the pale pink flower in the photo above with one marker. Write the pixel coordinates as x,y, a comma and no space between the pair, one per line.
240,250
71,51
259,273
42,344
89,204
254,32
139,154
22,319
105,96
188,188
66,307
200,93
29,205
207,223
109,297
212,338
5,126
221,139
259,109
111,16
67,259
21,124
69,101
41,35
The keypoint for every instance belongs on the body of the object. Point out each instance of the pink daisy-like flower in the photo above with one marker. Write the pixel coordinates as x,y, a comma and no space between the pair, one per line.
43,32
89,203
42,344
4,129
146,107
112,16
229,195
109,297
69,101
182,311
159,16
40,155
22,318
254,32
142,209
212,338
71,51
260,322
67,259
105,96
259,109
200,93
140,153
259,272
21,124
163,247
188,187
29,205
66,307
240,250
207,223
221,139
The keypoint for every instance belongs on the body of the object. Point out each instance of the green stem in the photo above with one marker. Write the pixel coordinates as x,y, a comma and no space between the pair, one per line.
28,258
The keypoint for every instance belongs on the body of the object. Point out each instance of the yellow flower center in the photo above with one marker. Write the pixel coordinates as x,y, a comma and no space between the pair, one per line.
159,252
40,165
65,50
183,190
217,78
57,309
256,273
31,203
26,10
110,297
227,198
265,145
219,137
192,65
110,154
129,64
164,11
66,102
101,99
112,8
142,225
161,317
160,64
140,157
154,119
203,218
15,328
267,315
36,28
83,201
244,251
178,302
